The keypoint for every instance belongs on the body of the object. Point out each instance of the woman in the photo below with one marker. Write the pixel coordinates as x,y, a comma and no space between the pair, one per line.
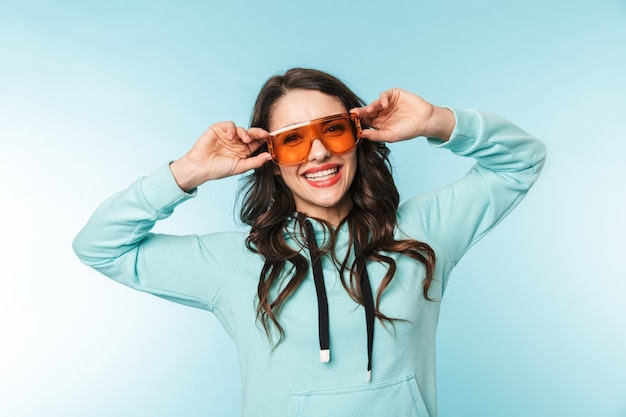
332,298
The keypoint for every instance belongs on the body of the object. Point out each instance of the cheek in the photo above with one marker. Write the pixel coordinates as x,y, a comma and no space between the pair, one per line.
286,171
351,161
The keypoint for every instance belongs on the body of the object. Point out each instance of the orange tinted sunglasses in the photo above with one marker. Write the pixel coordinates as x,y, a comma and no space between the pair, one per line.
291,145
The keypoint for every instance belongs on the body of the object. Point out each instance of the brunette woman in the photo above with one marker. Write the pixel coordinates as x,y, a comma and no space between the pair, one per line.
333,296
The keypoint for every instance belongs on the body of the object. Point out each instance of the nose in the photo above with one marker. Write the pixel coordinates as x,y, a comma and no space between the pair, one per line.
318,151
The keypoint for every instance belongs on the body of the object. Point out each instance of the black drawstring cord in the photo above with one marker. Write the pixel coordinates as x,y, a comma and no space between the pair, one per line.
368,303
322,301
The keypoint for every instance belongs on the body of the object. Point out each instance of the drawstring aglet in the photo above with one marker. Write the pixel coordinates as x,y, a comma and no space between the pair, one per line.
369,376
325,355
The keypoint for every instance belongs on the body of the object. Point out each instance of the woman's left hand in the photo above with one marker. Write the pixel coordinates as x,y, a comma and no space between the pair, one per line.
399,115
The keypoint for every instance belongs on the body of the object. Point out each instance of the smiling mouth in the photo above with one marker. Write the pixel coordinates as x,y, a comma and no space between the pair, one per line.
321,175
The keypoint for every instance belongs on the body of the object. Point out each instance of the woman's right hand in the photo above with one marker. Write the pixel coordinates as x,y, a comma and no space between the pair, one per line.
223,150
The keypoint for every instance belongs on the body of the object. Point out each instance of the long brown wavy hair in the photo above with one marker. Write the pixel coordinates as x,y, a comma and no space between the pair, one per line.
267,204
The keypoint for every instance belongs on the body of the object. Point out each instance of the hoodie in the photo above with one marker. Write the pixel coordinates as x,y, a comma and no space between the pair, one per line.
216,272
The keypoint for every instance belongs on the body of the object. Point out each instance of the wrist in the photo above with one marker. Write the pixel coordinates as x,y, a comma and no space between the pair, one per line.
440,124
186,174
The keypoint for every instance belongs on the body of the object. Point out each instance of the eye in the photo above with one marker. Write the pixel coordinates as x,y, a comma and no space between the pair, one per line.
291,139
335,128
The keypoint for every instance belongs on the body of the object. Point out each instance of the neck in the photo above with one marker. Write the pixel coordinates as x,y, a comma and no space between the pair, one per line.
333,215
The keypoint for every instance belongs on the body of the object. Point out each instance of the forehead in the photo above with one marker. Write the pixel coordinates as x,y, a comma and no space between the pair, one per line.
303,105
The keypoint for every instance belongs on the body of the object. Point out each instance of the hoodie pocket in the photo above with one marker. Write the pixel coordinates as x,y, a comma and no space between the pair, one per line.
398,397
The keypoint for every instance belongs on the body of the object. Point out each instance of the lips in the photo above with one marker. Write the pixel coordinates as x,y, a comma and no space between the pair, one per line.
323,176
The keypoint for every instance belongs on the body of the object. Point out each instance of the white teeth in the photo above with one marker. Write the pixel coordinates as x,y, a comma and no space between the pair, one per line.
322,175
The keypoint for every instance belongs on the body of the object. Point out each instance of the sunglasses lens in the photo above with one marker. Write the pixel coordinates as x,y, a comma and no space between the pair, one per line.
292,146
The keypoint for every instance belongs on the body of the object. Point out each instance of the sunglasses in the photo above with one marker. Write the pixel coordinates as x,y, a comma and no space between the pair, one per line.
291,145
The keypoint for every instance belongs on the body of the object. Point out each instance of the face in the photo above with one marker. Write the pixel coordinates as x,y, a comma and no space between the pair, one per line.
320,184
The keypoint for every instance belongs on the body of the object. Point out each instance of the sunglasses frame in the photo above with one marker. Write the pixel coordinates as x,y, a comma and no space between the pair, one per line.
356,124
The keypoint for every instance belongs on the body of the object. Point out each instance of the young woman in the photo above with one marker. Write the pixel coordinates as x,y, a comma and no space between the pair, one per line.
333,296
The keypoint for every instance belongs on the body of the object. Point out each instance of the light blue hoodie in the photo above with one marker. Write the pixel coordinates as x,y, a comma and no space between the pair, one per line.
216,272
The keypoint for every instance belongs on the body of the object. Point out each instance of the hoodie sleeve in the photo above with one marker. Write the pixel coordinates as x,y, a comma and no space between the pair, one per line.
117,242
453,218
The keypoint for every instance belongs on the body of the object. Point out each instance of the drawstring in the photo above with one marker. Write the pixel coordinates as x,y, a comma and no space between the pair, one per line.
322,301
368,303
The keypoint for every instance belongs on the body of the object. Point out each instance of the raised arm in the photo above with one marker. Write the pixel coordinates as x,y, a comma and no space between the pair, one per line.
117,241
400,115
222,151
508,162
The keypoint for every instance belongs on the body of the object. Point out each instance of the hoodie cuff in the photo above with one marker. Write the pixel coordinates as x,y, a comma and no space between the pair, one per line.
161,190
468,125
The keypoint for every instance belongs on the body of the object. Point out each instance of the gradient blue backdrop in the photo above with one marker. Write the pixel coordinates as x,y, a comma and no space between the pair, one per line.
94,94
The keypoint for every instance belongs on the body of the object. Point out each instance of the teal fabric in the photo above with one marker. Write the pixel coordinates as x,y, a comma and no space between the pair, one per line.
217,273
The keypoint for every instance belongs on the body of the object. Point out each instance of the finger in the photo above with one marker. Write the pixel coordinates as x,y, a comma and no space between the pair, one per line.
379,135
255,145
258,133
373,135
384,99
359,111
253,162
374,108
367,113
252,134
391,98
242,134
229,129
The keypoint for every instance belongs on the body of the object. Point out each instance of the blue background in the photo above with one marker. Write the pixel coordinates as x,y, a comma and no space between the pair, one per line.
95,94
